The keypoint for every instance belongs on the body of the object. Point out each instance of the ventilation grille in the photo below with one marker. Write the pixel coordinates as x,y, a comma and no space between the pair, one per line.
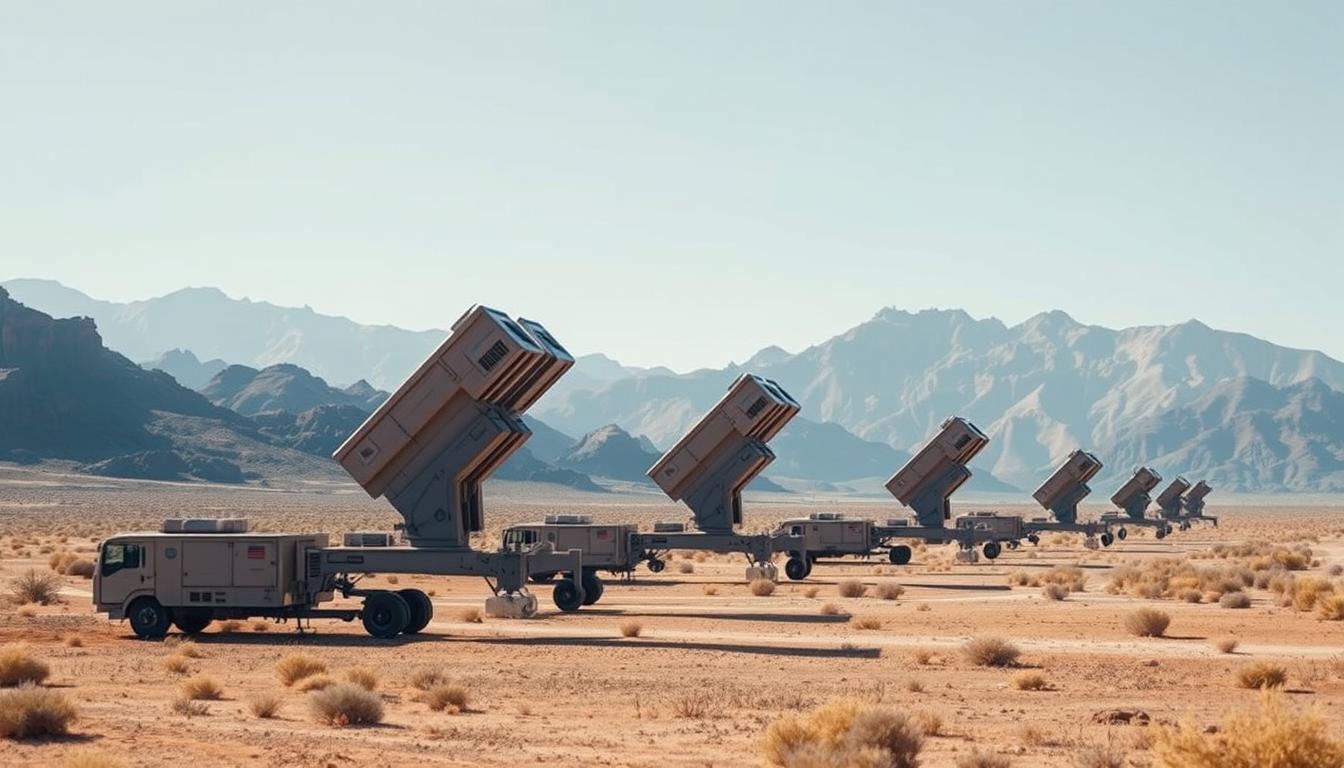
493,355
757,407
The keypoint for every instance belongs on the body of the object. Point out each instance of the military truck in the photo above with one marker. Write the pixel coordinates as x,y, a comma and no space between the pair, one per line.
1133,499
1061,493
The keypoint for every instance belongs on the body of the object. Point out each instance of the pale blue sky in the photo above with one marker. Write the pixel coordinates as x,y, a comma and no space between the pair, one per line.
683,183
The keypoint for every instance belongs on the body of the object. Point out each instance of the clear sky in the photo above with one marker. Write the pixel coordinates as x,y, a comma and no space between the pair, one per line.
683,183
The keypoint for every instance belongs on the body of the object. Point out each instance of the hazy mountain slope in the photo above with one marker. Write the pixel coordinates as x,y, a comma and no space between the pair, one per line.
283,387
1244,434
184,366
610,451
547,443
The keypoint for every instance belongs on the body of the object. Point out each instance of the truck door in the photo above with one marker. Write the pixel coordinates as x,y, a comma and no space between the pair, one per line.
124,567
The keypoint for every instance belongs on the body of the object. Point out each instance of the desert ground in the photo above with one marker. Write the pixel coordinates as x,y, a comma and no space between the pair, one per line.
689,667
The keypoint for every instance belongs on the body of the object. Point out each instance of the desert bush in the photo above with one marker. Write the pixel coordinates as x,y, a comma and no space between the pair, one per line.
201,687
471,616
844,733
831,609
1070,576
851,588
889,590
30,712
914,686
762,587
990,652
73,641
1337,570
1331,607
178,665
810,592
18,666
1235,600
346,704
187,648
711,590
631,629
447,696
1030,680
315,682
1262,674
362,676
685,566
34,586
1055,591
1270,735
1147,622
424,679
80,567
1020,579
296,666
922,656
265,705
930,723
1308,589
87,758
866,622
261,626
692,707
978,759
1191,595
228,625
1226,644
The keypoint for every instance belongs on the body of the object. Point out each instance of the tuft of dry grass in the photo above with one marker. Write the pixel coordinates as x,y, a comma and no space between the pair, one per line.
30,712
228,625
315,682
990,652
685,566
1030,680
914,686
187,648
27,610
1054,591
178,665
80,567
346,704
471,616
362,676
1226,644
930,722
424,679
889,590
844,733
1331,607
449,697
1147,622
762,587
710,589
851,588
811,592
261,626
922,656
296,666
1262,674
1235,600
831,609
866,622
188,707
201,687
632,628
73,641
265,705
1270,735
978,759
34,586
18,666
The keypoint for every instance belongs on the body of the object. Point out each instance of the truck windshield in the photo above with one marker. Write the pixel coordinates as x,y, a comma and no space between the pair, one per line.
115,557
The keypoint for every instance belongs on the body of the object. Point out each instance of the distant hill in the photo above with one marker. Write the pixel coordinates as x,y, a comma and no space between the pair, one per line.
284,387
547,444
184,366
610,451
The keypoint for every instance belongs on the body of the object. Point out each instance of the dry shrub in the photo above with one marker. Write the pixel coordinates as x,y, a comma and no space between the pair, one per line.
1262,674
265,705
18,666
471,616
27,611
1270,735
201,688
188,649
297,666
424,679
87,758
978,759
685,566
990,652
1191,595
811,592
929,722
851,588
178,665
80,567
844,733
346,704
189,707
261,626
448,696
1030,680
362,676
34,586
889,590
1226,644
228,625
1020,579
712,590
30,712
315,682
73,641
1235,600
631,628
1307,590
831,609
762,587
866,622
914,686
1055,591
922,656
1147,622
1070,576
1331,607
922,607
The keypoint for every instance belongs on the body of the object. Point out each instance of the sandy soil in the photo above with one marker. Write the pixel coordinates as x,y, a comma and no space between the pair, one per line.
712,666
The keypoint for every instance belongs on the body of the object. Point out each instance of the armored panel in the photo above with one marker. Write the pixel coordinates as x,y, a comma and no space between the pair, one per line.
957,442
754,408
1170,498
1133,496
1076,470
1198,493
205,525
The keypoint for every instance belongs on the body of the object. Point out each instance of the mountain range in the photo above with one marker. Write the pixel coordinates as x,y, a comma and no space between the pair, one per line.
1250,415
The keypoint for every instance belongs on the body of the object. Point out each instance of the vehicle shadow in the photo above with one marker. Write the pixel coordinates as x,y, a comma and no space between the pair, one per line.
620,642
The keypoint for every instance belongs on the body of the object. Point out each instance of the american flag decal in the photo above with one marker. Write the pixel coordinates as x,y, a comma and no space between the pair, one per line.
602,534
256,552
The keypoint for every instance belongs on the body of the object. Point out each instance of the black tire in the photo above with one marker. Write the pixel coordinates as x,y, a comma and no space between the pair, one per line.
656,565
542,578
900,554
992,549
1160,533
592,588
566,596
1123,533
796,568
192,620
1107,539
422,610
385,614
1034,539
1013,544
149,619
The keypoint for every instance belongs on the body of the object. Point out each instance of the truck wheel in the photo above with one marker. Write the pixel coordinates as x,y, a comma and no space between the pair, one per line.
1161,533
1123,533
900,554
1034,539
1107,539
149,619
422,610
795,568
385,614
192,620
992,549
566,596
542,578
656,565
592,587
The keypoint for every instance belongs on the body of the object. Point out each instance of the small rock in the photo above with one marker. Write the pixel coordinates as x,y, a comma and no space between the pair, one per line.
1121,717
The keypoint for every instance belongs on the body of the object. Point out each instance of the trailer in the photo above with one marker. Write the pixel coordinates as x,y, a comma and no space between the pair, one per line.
1133,499
428,450
1061,493
1193,503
